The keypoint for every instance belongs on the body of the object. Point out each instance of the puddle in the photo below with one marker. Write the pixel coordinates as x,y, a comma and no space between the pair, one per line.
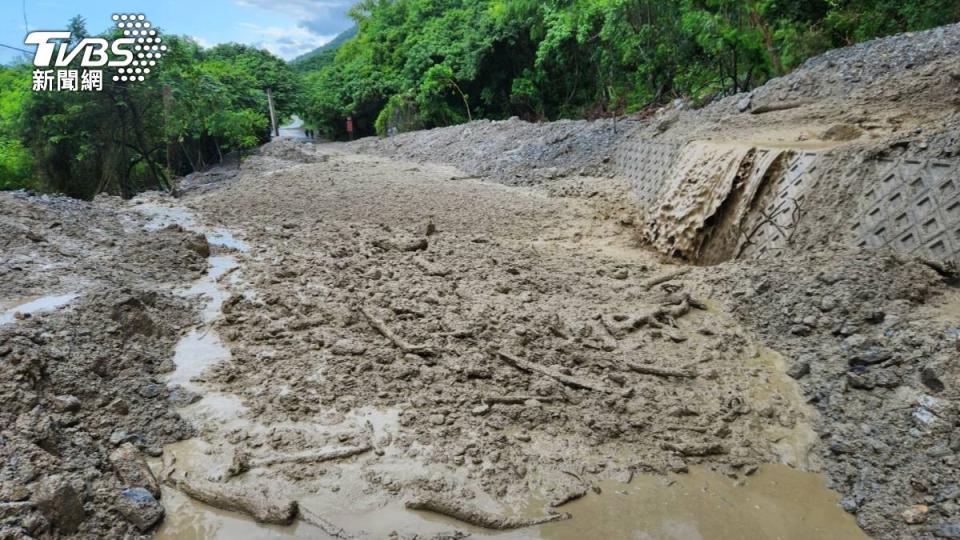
44,303
225,238
777,502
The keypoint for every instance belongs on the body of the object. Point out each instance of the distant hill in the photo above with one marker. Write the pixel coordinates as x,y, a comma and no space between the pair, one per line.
323,55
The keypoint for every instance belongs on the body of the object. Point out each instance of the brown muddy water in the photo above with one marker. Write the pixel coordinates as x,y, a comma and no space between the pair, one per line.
777,502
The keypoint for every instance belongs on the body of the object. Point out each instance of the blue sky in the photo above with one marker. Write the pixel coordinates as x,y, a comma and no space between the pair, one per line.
285,27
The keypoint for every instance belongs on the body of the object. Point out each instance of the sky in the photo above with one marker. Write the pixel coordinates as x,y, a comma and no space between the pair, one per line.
286,28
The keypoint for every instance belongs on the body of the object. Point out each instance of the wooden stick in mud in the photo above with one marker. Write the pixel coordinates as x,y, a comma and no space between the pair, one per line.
458,510
395,339
262,507
662,372
318,521
663,278
650,317
243,462
519,400
575,382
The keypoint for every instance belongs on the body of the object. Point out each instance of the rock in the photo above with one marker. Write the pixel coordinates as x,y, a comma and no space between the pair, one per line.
437,419
66,403
799,369
133,469
930,379
744,103
620,273
198,244
181,397
915,514
60,502
828,303
480,409
347,347
801,330
850,504
120,436
946,530
140,508
149,391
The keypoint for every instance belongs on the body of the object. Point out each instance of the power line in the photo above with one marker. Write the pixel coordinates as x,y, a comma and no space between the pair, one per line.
15,48
26,27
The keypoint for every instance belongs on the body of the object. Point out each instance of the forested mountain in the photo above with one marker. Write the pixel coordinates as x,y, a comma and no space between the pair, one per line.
323,55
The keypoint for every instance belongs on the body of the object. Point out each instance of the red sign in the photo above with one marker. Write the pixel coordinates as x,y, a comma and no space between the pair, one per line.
349,124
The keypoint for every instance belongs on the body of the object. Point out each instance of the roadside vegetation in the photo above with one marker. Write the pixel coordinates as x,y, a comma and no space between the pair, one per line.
425,63
198,106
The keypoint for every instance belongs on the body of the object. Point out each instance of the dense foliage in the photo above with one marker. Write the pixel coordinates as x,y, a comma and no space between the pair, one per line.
197,106
423,63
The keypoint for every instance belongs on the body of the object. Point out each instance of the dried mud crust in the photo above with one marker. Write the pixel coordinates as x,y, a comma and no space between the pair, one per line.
872,339
525,347
82,381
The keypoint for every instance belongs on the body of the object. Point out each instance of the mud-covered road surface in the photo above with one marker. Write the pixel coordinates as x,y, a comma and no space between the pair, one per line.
378,348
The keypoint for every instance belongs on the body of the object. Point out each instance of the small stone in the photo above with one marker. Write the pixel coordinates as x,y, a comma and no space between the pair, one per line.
915,514
799,370
66,403
149,391
850,505
120,436
181,397
801,330
60,502
947,530
744,103
620,273
828,303
480,409
133,469
347,347
930,379
140,508
437,419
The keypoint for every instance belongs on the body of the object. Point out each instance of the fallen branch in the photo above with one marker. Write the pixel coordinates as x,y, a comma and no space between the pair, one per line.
518,400
395,339
458,510
568,380
661,372
317,521
242,462
651,317
263,507
663,278
774,107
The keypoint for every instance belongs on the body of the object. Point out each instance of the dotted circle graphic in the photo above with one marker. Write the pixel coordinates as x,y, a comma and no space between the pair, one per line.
148,48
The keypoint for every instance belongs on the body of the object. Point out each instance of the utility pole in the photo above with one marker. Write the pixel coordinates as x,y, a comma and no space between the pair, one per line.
273,115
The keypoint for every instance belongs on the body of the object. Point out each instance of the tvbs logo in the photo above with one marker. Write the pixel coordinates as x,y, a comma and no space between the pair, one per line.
132,55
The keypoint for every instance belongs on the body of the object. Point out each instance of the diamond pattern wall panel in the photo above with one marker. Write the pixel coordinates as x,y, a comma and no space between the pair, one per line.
912,208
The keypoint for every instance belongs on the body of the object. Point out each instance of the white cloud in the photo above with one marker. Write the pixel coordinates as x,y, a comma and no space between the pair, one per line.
285,42
205,43
322,17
